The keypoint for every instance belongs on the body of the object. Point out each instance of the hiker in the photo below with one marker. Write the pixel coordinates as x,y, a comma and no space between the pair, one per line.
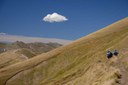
109,54
115,52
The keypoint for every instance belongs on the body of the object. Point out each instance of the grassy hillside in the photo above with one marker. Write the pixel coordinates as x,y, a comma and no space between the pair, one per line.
36,47
14,56
2,45
83,62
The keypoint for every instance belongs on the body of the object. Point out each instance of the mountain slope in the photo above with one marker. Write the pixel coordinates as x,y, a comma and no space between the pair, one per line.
14,56
36,47
83,62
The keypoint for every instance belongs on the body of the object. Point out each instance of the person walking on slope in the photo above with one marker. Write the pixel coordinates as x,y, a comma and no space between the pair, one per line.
115,52
109,54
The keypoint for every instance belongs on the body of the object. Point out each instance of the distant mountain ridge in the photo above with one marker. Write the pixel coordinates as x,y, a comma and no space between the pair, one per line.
14,38
11,53
36,47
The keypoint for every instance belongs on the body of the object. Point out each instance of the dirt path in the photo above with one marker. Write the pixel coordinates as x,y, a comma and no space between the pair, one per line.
120,64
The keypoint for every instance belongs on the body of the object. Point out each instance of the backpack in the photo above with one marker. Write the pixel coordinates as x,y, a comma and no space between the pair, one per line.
115,53
109,55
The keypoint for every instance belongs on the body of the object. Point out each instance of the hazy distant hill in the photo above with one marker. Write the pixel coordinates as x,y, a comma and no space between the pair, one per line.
36,48
19,51
13,38
82,62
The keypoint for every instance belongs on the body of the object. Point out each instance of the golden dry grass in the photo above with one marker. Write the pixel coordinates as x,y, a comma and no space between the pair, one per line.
82,62
11,57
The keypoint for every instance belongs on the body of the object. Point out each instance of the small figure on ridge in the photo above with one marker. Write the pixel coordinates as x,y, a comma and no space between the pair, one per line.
109,54
115,52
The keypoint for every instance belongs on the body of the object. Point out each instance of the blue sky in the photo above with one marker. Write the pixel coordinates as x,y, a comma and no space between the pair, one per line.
25,17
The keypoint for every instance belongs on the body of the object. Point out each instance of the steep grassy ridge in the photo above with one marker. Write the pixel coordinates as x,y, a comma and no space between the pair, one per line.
83,62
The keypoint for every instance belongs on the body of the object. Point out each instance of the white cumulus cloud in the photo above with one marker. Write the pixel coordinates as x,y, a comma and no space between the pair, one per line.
55,17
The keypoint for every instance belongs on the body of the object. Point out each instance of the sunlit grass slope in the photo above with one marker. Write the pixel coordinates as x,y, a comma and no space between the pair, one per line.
82,62
14,56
